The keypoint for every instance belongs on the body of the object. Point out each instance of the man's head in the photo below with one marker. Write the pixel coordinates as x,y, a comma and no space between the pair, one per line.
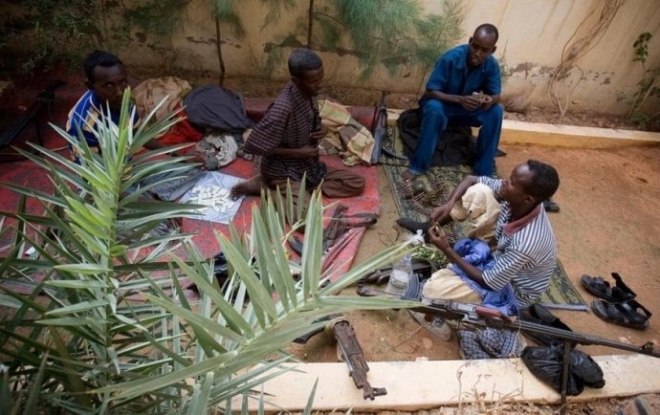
106,77
530,184
482,44
306,69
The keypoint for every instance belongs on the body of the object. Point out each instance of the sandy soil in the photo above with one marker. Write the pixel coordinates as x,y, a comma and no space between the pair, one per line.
609,200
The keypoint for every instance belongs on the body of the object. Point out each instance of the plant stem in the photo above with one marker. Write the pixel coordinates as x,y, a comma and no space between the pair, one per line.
310,23
218,48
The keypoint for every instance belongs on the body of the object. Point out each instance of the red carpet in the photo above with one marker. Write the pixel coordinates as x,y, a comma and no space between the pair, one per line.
369,202
23,172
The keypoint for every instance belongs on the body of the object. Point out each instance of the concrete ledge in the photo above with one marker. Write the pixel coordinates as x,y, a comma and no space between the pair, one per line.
430,384
519,132
554,135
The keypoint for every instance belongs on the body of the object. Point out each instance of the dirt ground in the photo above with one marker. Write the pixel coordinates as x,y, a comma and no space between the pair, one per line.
609,201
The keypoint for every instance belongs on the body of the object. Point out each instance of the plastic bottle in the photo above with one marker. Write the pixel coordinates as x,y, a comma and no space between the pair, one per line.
400,277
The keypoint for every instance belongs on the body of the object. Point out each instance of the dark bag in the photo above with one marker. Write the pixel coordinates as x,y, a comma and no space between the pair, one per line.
455,147
546,364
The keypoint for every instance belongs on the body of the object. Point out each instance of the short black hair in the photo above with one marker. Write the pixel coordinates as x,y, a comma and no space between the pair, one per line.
303,60
489,29
544,182
99,58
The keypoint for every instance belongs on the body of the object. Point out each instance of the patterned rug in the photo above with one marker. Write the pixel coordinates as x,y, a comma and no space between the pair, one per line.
416,201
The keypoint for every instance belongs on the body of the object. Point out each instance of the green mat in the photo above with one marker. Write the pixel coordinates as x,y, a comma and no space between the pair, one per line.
416,201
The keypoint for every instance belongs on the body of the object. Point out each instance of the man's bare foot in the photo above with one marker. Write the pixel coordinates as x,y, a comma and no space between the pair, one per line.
409,176
251,187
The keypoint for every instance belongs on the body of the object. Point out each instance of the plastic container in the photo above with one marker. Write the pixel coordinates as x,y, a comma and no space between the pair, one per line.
400,277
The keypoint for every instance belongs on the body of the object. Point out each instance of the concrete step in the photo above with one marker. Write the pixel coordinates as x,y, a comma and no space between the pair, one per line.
422,385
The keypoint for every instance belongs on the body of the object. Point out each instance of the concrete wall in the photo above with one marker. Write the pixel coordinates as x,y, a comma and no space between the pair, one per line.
533,34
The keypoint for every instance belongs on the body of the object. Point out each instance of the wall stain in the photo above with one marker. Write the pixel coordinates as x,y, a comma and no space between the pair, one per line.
533,70
293,42
200,41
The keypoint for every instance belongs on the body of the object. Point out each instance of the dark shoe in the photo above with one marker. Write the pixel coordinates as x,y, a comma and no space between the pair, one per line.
413,226
500,153
550,206
601,288
627,314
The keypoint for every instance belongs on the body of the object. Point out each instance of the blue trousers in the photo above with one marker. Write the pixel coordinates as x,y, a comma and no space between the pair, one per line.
435,117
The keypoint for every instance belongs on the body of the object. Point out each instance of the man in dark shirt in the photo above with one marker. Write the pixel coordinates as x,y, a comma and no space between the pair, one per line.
287,138
463,89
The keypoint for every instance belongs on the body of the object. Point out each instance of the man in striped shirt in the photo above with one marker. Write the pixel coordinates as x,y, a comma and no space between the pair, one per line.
526,254
287,138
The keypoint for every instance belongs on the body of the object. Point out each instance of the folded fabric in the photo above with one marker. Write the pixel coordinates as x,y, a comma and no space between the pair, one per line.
479,210
167,92
477,253
352,139
489,343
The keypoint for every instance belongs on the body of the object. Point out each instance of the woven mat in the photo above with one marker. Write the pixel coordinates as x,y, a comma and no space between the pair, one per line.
416,200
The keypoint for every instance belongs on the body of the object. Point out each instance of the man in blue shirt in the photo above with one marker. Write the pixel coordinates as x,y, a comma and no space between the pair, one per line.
464,89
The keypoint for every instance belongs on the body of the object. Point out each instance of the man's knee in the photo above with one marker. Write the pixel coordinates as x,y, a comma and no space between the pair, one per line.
445,284
433,108
496,112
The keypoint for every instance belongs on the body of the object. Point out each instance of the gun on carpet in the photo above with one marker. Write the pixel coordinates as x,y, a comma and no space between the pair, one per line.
351,353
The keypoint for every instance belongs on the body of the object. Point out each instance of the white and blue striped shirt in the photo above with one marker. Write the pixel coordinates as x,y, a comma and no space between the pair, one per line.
525,257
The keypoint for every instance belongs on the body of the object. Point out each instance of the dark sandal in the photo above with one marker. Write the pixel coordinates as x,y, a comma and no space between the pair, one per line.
601,288
624,314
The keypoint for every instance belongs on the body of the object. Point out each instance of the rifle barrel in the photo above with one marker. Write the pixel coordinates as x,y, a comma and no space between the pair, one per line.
586,339
445,309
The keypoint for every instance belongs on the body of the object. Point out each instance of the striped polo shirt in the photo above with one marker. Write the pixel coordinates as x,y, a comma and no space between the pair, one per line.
85,115
526,255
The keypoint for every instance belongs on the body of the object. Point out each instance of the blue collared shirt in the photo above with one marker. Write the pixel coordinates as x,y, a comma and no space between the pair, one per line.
451,74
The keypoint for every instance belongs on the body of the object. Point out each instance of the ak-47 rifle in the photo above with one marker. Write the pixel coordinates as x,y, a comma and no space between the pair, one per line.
379,128
481,316
351,353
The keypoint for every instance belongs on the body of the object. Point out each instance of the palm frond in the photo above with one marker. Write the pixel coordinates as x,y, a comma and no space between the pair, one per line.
108,325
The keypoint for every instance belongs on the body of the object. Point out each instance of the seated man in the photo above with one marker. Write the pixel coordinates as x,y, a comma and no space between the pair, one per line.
463,89
287,138
525,257
107,79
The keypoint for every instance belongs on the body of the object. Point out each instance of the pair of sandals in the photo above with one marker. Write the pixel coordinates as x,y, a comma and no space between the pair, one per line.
617,303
